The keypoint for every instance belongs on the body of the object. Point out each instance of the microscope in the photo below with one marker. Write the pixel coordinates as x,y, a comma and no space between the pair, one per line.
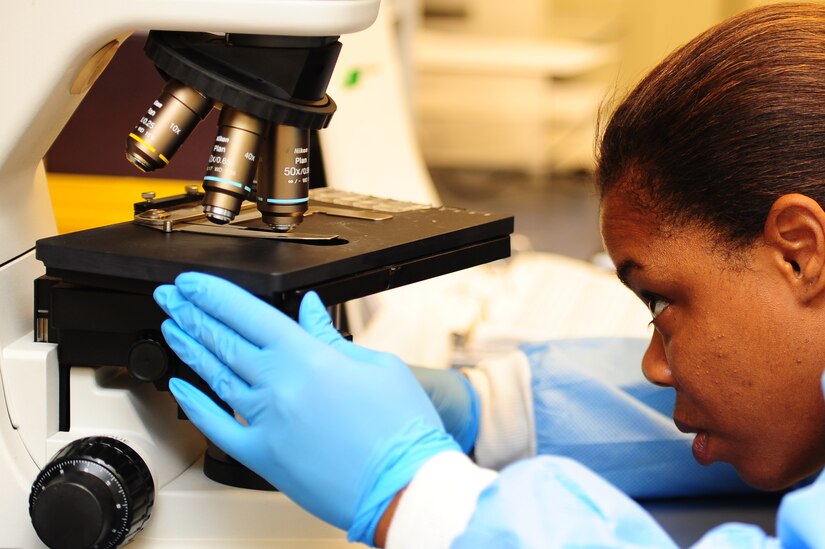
94,451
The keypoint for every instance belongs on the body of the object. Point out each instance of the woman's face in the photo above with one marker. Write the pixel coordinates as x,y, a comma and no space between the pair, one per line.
743,354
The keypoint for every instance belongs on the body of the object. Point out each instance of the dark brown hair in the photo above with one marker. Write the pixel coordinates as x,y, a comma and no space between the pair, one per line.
726,124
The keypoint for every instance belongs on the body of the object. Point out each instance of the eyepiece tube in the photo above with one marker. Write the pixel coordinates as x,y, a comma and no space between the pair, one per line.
283,185
232,164
167,123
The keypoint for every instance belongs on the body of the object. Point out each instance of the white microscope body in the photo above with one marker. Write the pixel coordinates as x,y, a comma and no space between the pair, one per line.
54,50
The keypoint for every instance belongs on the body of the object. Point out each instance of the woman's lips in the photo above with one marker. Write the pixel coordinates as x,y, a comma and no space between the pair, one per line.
700,447
701,453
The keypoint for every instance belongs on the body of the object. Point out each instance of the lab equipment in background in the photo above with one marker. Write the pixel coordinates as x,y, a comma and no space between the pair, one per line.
86,424
531,70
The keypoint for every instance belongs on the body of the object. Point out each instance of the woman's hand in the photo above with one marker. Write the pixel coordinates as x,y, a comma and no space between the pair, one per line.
340,433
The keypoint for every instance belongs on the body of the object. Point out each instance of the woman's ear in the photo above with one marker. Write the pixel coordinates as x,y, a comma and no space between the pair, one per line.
795,229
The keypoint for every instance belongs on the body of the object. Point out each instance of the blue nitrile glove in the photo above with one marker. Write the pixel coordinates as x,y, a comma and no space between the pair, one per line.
456,400
338,435
451,393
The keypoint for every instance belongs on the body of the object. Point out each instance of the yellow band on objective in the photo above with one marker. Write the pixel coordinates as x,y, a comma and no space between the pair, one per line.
139,140
147,145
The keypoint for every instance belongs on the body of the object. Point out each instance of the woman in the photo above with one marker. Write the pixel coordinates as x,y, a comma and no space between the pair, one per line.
710,174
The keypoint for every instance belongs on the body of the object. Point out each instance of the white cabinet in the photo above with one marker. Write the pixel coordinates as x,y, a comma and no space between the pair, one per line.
499,87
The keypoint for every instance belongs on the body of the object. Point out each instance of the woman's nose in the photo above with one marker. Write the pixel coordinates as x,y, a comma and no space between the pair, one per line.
655,365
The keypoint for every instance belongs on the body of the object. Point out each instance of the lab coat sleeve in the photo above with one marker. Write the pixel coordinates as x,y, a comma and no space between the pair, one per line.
587,399
506,430
553,502
541,502
801,521
437,505
800,524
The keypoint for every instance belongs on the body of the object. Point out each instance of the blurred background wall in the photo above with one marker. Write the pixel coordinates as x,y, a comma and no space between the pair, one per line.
517,85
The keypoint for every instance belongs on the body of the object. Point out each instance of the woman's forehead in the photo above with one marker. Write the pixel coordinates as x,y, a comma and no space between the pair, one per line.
632,234
621,217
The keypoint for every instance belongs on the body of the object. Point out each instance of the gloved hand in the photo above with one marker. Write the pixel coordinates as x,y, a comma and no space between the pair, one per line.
337,434
456,401
451,393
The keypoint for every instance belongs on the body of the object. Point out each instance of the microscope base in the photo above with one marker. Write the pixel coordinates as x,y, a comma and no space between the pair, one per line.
197,512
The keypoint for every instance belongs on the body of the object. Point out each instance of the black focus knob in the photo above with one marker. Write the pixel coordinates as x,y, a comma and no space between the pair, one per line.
147,360
96,492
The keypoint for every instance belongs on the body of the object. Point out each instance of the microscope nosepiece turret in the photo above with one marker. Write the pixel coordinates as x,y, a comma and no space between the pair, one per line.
272,93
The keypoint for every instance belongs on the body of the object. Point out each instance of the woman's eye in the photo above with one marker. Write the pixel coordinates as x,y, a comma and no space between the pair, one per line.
656,304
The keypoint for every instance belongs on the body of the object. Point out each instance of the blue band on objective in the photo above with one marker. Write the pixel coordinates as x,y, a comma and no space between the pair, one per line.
283,200
222,180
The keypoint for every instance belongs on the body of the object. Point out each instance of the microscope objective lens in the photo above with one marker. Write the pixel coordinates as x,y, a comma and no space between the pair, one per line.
233,163
165,126
283,182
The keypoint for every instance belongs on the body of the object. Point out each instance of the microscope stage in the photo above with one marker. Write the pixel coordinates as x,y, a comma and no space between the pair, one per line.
367,257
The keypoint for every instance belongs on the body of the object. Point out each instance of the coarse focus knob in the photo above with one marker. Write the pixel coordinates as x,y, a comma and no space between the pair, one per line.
96,492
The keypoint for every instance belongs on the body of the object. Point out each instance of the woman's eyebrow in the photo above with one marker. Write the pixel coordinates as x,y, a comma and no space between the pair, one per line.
624,270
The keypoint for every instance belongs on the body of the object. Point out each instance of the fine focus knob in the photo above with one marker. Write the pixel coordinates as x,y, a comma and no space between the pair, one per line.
147,360
96,492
